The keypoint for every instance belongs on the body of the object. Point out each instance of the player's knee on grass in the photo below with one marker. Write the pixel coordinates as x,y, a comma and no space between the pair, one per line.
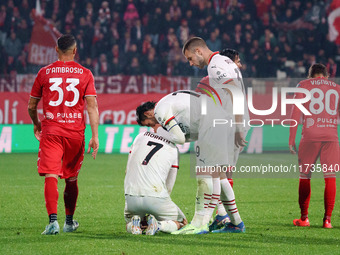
128,219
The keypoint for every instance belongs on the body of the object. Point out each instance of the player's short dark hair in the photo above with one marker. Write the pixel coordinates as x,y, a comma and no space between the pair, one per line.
317,68
65,42
193,42
142,109
230,53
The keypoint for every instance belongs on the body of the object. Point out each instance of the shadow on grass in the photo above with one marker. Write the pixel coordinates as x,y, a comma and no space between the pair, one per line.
254,239
162,238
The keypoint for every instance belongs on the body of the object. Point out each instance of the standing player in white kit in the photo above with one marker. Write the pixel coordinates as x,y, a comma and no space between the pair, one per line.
225,77
204,87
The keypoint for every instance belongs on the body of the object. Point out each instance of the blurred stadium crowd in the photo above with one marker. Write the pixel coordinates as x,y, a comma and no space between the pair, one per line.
276,38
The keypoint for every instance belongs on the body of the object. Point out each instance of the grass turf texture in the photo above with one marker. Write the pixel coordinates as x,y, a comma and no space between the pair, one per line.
267,206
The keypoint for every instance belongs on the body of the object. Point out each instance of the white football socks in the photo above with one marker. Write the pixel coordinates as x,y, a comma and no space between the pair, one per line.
204,191
214,200
220,207
228,200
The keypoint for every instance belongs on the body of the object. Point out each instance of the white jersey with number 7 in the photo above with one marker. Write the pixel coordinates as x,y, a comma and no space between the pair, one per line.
150,160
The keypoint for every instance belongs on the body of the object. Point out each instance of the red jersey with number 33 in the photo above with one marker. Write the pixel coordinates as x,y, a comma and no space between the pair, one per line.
63,87
324,107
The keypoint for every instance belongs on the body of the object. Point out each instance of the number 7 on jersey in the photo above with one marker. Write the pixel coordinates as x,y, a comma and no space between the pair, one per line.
157,147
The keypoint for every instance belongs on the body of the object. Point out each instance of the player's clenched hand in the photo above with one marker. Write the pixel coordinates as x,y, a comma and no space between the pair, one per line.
37,131
239,140
94,144
292,149
183,223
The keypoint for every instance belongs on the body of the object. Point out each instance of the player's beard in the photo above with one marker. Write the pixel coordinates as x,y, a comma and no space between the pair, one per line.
154,120
201,62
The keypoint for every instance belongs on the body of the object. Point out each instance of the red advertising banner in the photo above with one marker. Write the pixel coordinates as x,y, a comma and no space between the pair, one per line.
121,108
117,84
113,108
43,42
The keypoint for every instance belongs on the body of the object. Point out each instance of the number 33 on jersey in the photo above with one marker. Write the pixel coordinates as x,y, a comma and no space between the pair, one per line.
63,87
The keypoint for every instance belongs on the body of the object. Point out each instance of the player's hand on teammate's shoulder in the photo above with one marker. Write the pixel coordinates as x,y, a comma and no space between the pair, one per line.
94,144
239,139
292,149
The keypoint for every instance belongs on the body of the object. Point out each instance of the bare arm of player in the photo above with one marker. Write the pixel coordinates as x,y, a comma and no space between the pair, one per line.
296,115
239,133
174,133
92,108
292,149
33,112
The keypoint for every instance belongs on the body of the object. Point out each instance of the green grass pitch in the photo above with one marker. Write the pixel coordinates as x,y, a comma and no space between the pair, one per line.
267,206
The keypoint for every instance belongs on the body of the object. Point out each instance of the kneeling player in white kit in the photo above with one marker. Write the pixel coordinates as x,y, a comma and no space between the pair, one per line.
181,120
150,176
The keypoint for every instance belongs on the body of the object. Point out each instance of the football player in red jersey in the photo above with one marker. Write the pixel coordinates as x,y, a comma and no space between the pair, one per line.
63,86
319,138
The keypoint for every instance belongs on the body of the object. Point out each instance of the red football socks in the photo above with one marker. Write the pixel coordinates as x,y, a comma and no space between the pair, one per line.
51,195
304,197
70,196
329,196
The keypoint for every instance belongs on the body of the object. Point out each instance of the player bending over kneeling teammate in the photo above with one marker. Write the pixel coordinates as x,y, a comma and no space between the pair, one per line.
178,117
225,80
150,176
219,60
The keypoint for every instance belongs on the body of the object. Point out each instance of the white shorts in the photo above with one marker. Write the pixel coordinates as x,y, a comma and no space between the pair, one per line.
213,144
163,208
